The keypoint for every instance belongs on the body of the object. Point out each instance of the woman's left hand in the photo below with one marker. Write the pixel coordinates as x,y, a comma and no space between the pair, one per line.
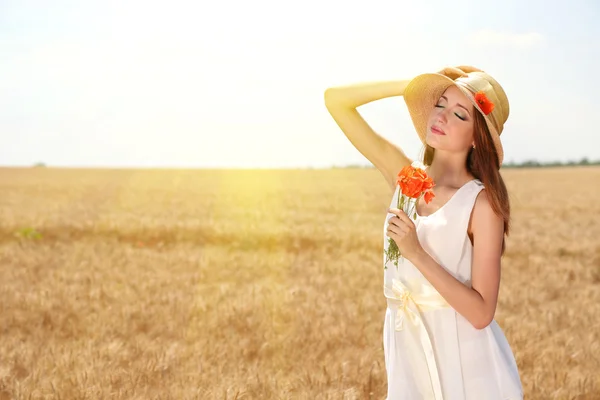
403,231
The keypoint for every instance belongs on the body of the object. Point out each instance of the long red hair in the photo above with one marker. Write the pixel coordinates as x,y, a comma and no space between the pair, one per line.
482,162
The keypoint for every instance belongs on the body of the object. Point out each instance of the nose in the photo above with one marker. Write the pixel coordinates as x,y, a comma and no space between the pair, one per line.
442,117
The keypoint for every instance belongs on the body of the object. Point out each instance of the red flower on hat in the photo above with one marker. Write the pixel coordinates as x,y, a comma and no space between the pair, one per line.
484,103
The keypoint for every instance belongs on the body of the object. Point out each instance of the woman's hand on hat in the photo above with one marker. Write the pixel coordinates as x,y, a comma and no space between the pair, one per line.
458,71
452,72
403,231
468,68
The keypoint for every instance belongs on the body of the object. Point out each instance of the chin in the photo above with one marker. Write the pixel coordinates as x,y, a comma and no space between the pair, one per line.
431,140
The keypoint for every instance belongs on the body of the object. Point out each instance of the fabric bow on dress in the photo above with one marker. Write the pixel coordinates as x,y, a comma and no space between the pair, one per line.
408,316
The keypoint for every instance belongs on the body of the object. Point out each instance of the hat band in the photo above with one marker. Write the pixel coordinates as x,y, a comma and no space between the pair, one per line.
466,85
491,118
472,90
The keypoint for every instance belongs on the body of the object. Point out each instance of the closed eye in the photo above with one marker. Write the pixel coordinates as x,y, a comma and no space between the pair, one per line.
459,117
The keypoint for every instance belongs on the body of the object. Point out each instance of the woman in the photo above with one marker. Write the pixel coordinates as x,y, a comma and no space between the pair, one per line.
440,337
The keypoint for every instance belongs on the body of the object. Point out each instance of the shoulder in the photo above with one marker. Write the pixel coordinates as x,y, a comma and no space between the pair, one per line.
483,218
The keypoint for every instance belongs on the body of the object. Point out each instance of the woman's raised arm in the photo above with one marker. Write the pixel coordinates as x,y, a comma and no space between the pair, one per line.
342,101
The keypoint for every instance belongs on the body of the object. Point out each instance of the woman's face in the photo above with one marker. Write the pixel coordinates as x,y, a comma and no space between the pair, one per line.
450,124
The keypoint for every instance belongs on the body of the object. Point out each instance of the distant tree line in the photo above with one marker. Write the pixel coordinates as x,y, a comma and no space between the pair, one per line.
511,164
538,164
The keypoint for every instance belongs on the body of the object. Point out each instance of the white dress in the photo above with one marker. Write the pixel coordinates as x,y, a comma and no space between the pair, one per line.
431,351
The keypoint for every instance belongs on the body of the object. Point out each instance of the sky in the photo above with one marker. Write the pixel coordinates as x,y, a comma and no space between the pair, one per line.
238,84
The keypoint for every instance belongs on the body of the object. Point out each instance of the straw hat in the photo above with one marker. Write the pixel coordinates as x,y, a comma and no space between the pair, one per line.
423,92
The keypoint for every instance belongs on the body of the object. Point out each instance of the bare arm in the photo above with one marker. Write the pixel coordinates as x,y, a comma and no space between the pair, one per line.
342,101
478,303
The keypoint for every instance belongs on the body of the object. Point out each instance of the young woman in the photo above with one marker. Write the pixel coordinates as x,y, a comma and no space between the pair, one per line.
440,338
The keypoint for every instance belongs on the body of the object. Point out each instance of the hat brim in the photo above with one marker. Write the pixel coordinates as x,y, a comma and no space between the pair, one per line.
422,94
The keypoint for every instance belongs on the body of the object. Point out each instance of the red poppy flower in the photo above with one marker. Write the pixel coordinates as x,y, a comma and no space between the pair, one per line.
428,196
414,182
484,103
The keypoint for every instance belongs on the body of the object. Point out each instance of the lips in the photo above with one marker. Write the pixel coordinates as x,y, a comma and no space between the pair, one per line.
437,131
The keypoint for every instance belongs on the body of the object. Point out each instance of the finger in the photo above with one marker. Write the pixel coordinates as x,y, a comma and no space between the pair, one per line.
468,68
402,224
394,229
399,229
395,237
395,221
404,218
452,72
399,226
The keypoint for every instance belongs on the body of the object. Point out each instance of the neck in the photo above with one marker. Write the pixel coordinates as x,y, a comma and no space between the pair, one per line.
449,169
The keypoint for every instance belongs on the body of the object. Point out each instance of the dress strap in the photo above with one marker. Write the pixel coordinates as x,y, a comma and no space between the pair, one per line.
467,204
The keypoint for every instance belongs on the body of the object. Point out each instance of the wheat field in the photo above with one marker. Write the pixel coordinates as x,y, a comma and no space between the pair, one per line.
265,284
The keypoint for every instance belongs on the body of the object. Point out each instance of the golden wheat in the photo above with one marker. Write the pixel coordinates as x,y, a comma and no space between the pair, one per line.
143,284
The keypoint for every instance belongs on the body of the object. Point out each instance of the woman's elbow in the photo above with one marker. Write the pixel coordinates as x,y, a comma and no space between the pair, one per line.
330,95
335,97
482,322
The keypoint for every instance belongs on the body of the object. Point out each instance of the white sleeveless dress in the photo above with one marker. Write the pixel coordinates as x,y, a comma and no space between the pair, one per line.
431,351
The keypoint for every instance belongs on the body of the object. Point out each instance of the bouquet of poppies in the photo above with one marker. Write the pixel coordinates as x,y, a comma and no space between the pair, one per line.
414,183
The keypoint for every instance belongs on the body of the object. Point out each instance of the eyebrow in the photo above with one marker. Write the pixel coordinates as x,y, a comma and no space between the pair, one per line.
460,105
